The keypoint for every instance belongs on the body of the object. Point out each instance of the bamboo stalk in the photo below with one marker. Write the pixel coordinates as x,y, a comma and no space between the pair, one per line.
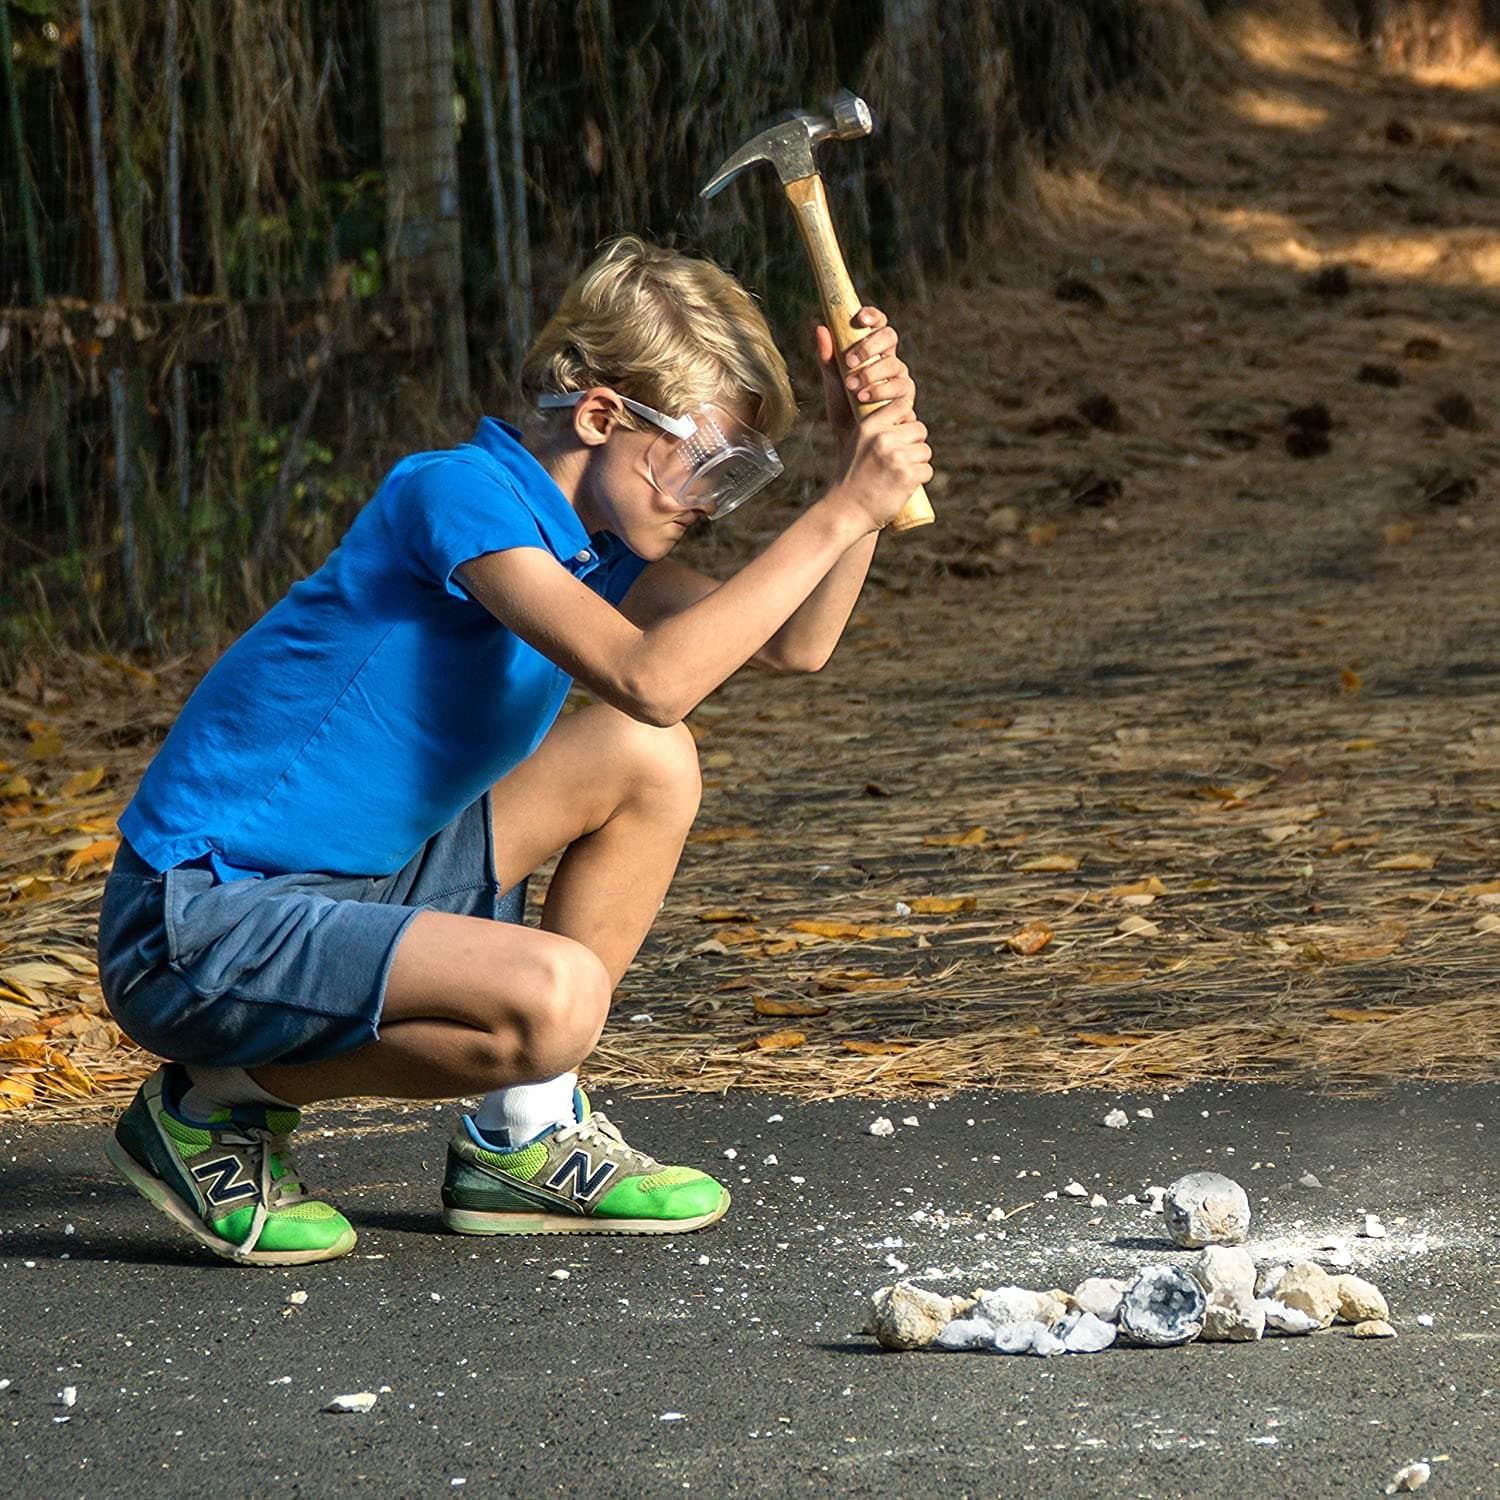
23,173
521,245
484,61
109,280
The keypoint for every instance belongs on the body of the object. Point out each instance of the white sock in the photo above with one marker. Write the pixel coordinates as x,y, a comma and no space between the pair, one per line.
213,1089
516,1116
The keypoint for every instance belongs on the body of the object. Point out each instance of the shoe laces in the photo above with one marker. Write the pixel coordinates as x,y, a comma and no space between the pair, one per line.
597,1130
259,1147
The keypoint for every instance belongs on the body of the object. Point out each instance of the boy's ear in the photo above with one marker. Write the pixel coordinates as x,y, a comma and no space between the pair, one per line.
595,417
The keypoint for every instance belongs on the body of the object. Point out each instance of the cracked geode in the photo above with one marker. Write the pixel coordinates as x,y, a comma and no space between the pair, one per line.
1206,1208
1164,1305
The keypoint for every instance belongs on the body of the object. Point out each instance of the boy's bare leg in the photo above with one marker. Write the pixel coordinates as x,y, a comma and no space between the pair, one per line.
473,1005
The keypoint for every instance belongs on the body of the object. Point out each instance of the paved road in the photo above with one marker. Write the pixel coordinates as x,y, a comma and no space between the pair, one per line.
731,1363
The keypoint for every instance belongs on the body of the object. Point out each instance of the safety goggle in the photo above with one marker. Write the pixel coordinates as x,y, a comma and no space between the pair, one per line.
704,460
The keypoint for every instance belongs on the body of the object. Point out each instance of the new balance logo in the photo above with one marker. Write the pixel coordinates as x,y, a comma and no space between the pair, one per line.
222,1180
587,1179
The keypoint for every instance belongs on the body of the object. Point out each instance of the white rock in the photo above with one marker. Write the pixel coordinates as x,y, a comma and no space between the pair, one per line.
1047,1342
1309,1288
1145,1114
1206,1208
910,1120
1225,1272
1233,1320
1360,1301
1098,1201
1376,1328
297,1298
1156,1195
1269,1279
1307,1179
1015,1304
1373,1228
1089,1335
1076,1190
1117,1119
1131,1199
1336,1256
908,1317
358,1401
1020,1337
559,1274
880,1126
1412,1477
1100,1296
1163,1305
1426,1319
1286,1319
68,1395
966,1333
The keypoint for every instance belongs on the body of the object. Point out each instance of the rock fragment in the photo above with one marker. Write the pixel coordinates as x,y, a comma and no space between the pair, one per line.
1286,1319
966,1333
1206,1208
1087,1334
1100,1295
1310,1289
1225,1272
1376,1328
880,1126
1233,1320
908,1317
1412,1477
1163,1305
1116,1119
1269,1279
1373,1228
1014,1304
1360,1301
358,1401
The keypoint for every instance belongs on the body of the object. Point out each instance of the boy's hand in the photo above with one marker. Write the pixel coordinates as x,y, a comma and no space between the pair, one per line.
884,455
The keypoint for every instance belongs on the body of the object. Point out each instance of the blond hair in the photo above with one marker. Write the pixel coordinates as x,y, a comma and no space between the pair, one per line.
667,330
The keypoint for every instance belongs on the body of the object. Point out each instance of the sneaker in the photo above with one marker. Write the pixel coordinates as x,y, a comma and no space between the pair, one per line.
573,1179
230,1183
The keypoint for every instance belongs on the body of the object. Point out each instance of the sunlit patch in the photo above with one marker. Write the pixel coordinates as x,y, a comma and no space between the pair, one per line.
1278,111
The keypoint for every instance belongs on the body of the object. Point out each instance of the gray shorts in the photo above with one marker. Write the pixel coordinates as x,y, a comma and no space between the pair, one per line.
291,968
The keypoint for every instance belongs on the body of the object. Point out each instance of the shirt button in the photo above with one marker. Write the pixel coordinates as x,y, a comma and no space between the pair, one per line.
584,556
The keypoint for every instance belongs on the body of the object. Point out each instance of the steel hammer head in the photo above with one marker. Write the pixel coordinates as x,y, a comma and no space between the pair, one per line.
788,144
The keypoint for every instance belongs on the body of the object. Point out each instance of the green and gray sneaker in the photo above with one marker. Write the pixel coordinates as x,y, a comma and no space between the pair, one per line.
574,1179
230,1183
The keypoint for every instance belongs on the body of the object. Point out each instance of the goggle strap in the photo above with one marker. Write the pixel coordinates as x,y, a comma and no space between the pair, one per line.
679,427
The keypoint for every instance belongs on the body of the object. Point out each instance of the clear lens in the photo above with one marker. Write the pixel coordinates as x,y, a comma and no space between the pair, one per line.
715,470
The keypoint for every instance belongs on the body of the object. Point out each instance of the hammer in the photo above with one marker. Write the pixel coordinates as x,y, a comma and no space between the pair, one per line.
787,145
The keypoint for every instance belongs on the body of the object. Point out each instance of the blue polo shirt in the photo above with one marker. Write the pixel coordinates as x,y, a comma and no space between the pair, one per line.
378,699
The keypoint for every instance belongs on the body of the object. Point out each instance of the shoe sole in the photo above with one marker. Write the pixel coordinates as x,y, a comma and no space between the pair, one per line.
156,1192
476,1221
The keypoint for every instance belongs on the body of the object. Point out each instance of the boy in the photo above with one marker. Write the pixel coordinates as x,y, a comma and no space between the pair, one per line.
304,902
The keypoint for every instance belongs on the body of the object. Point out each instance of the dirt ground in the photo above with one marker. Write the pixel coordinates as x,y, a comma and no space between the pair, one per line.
1171,753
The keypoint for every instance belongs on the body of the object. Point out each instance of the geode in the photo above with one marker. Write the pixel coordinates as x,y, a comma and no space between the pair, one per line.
1164,1305
1206,1208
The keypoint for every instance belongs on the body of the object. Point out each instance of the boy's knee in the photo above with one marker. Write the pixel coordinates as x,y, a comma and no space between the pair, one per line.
666,760
569,1005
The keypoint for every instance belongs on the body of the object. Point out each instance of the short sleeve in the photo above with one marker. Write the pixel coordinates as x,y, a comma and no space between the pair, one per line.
447,510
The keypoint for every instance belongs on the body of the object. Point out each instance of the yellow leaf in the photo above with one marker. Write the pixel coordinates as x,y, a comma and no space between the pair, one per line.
778,950
1048,863
15,786
1351,680
1150,886
1406,862
1032,938
862,984
941,906
971,839
63,1078
37,972
25,1049
877,1049
1364,841
1352,747
1489,922
1043,534
734,936
764,1006
846,931
1484,888
45,743
1341,1013
725,914
82,781
1112,1038
16,1093
723,835
716,760
100,852
780,1041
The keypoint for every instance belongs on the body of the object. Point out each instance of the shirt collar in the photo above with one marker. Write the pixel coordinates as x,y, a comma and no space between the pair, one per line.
501,444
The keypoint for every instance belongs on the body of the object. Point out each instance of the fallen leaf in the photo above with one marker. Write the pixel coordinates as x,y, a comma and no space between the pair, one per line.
725,914
717,760
1406,862
780,1041
1484,888
1048,863
1363,841
45,742
25,1049
1032,938
1279,833
836,931
863,984
15,786
1399,533
82,781
1150,886
764,1006
942,906
100,852
1343,1013
877,1049
1043,534
779,949
1138,927
1350,680
1489,922
973,837
723,835
1351,747
735,936
16,1093
1112,1038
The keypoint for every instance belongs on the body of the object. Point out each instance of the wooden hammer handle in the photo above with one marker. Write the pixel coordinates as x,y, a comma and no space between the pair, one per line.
840,303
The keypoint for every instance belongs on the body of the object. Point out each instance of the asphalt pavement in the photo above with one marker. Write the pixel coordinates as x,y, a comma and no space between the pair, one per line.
732,1362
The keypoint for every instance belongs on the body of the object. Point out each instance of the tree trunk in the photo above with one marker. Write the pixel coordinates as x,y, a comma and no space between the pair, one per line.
423,248
1423,31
